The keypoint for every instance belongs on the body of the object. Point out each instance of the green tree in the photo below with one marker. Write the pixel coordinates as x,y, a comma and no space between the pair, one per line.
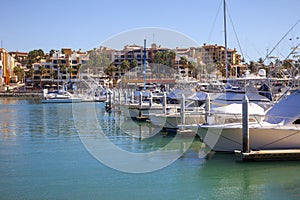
77,69
35,56
125,65
252,67
51,52
287,64
133,63
30,73
183,61
19,72
53,74
172,56
192,68
165,58
70,70
42,71
97,62
110,70
220,68
261,61
62,69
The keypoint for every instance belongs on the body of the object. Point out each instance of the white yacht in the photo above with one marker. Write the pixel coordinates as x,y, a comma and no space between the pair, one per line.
194,113
59,96
278,130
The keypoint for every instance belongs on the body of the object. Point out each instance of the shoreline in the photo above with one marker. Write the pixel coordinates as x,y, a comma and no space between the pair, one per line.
35,95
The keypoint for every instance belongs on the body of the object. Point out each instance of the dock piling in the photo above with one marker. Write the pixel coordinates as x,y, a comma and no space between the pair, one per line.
245,125
140,99
182,109
164,103
125,97
150,100
114,96
119,96
132,96
207,108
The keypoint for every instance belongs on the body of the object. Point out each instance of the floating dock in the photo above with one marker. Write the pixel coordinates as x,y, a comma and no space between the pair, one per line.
269,155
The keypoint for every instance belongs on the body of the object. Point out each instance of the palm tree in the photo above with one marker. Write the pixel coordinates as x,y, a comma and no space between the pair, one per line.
110,70
53,74
42,71
70,71
19,72
157,58
125,65
51,52
183,61
62,69
191,67
220,68
260,60
133,63
76,70
172,56
30,73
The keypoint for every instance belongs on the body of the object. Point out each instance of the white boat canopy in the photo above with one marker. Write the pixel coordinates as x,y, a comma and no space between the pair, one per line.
286,111
236,109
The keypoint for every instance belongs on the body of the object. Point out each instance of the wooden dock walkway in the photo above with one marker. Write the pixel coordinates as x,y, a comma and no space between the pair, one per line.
268,155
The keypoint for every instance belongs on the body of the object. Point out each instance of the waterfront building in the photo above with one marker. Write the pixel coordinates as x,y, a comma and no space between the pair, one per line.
213,54
20,57
205,55
7,63
62,66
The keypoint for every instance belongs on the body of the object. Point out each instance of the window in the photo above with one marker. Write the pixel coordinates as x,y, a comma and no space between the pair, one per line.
297,121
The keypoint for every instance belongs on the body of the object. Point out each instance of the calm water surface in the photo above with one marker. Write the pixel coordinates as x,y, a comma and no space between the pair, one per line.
42,157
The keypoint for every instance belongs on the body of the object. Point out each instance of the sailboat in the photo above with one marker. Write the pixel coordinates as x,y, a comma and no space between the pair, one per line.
276,128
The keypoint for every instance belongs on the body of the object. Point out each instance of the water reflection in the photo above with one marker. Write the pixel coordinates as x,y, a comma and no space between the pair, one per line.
249,180
30,117
40,153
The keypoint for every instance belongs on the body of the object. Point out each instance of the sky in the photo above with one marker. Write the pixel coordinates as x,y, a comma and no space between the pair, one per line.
86,24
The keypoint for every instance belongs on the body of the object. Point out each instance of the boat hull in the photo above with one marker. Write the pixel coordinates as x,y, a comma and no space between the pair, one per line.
229,139
173,120
61,100
136,111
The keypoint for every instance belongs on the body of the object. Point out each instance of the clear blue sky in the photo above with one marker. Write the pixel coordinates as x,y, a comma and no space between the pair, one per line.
259,24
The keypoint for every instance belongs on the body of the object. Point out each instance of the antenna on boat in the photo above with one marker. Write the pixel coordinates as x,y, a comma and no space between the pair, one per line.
268,54
144,63
293,51
225,38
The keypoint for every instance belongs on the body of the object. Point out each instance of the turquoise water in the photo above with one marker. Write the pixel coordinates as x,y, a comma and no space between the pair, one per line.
42,157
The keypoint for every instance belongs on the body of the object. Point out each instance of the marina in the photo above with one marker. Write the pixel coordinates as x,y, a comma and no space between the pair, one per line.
197,110
42,156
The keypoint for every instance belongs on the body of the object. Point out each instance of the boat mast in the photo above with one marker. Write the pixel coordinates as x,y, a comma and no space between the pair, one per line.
225,37
144,63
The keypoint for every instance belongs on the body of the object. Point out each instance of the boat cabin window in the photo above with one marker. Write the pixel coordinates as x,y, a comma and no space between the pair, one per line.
297,121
